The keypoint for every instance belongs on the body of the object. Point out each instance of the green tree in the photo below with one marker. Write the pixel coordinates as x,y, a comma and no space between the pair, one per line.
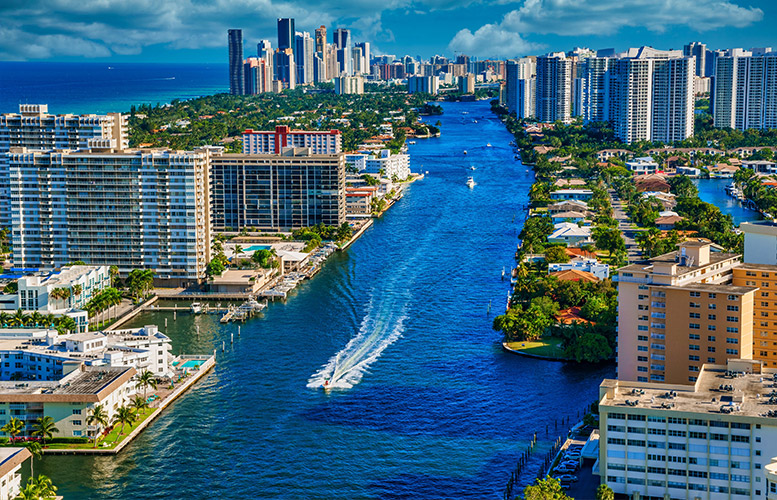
683,187
124,416
556,254
45,428
604,492
545,489
38,488
12,287
608,239
215,267
591,347
13,428
98,418
139,404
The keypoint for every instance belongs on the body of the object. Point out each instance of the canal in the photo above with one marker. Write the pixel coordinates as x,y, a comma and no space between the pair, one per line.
427,405
714,191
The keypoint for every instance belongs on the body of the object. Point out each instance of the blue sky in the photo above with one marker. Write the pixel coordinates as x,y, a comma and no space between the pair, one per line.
195,30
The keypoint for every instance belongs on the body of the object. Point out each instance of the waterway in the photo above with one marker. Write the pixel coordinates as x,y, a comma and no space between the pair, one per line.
714,191
427,405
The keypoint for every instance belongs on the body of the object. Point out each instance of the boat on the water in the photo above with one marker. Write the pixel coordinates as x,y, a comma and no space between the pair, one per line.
196,308
470,182
472,167
465,151
488,145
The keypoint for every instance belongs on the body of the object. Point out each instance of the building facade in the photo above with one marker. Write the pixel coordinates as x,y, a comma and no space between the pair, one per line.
423,85
95,205
267,143
237,83
554,88
745,90
285,191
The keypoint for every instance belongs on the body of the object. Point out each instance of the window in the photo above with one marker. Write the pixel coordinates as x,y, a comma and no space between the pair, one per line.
77,412
694,305
711,317
733,352
712,306
712,295
76,422
732,308
695,294
694,336
694,315
730,340
732,329
711,328
693,347
732,319
732,297
693,357
694,326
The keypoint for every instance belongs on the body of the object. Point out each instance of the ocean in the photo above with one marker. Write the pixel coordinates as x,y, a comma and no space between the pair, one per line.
105,87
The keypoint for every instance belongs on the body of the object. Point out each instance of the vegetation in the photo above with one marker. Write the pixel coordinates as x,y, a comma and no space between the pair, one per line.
102,301
45,428
145,380
139,283
545,489
604,492
124,416
13,428
20,319
98,417
37,488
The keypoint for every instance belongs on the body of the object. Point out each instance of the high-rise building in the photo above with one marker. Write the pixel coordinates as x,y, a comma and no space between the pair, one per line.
321,39
284,68
34,128
520,87
698,51
258,75
745,90
264,50
342,38
304,57
357,57
319,68
93,205
236,76
467,84
714,439
342,42
367,55
423,84
286,33
349,84
554,88
278,192
274,142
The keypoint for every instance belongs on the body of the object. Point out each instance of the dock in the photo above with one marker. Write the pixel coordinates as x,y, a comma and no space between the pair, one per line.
245,311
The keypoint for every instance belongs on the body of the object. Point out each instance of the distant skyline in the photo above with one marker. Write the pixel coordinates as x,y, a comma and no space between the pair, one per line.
188,31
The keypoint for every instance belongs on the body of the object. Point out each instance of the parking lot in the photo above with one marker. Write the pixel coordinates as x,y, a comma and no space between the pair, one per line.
585,483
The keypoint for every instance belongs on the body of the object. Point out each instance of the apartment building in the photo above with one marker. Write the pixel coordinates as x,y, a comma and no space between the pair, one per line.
712,440
96,204
68,400
349,85
11,461
381,162
521,87
745,90
423,85
325,142
554,87
33,127
674,315
278,192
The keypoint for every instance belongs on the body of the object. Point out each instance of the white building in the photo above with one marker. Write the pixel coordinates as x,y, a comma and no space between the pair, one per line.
33,127
571,194
349,84
423,84
745,90
320,142
593,266
521,87
570,234
11,461
642,165
713,440
554,87
383,162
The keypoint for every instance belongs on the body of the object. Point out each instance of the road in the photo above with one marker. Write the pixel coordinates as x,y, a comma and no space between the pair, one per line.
625,225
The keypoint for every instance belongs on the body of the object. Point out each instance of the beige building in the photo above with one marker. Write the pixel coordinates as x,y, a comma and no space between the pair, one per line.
674,315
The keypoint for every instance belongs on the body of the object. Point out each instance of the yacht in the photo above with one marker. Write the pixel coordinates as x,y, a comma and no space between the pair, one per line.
470,182
196,308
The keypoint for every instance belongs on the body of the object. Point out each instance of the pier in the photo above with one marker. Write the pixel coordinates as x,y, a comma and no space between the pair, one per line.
245,311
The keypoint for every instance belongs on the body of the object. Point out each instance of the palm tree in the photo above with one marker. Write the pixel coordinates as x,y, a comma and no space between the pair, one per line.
36,318
45,427
114,271
139,404
145,380
98,418
77,289
12,428
48,320
38,488
236,250
18,319
36,450
4,318
124,416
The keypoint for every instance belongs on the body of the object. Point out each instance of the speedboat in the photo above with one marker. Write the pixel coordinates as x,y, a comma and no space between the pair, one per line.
488,145
472,167
465,151
470,182
196,308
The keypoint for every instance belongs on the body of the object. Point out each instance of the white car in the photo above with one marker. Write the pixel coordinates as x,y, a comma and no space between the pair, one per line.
567,478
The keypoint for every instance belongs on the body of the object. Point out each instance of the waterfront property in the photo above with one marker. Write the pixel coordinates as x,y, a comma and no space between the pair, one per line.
383,162
714,439
145,209
278,192
327,142
642,165
570,234
11,461
593,266
81,282
571,194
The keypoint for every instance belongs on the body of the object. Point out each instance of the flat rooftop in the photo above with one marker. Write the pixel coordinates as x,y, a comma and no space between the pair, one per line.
672,258
716,388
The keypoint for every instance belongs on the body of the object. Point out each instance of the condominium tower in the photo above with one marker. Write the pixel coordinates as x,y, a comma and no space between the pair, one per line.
745,91
236,72
33,127
554,88
146,209
286,33
521,88
274,142
278,192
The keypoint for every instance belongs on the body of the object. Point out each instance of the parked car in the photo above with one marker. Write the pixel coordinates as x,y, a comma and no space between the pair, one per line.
567,478
563,470
570,465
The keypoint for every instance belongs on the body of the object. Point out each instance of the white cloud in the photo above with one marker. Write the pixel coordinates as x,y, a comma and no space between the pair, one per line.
597,17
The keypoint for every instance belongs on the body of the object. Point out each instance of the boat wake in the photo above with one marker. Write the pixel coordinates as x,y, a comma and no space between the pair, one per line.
379,329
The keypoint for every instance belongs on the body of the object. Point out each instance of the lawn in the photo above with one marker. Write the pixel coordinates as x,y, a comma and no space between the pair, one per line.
113,438
549,347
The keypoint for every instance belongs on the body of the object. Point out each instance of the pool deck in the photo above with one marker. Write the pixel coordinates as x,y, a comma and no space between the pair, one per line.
194,376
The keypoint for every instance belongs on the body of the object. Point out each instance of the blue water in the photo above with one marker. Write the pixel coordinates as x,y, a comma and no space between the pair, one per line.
96,88
714,191
254,248
426,404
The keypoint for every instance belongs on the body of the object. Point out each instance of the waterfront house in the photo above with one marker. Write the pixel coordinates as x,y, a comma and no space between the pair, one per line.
570,234
605,154
587,265
568,206
569,182
642,165
761,167
568,217
667,222
572,194
723,170
689,171
574,275
240,281
652,182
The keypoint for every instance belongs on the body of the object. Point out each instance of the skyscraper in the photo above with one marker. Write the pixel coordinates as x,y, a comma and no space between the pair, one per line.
264,49
303,54
342,38
342,41
285,68
698,51
745,93
286,33
321,39
236,74
521,87
365,46
554,87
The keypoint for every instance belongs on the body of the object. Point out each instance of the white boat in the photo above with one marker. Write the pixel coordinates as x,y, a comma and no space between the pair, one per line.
411,142
472,167
196,308
488,145
465,151
470,182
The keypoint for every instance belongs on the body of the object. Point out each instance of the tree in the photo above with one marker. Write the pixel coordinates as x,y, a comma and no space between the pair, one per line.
236,250
608,239
18,318
114,272
77,289
556,254
124,416
591,347
139,404
683,187
545,489
13,428
45,427
98,418
215,267
38,488
604,492
145,380
12,287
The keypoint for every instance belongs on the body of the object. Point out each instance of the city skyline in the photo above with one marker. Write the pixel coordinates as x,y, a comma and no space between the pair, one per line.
177,33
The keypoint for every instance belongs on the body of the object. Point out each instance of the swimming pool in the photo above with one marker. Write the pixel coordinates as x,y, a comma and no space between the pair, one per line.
192,363
254,248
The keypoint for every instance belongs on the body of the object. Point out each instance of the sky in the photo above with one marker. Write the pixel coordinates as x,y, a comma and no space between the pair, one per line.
190,31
